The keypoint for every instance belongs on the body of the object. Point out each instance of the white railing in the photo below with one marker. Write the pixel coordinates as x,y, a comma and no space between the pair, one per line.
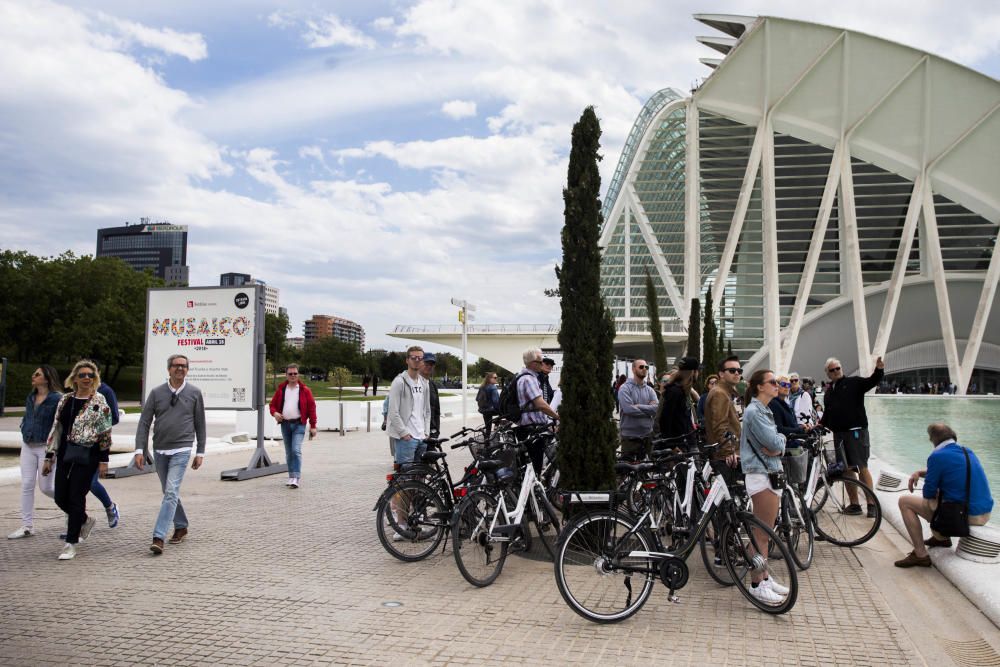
476,329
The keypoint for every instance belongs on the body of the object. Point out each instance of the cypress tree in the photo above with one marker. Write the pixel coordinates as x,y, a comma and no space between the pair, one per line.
653,311
587,434
694,330
711,359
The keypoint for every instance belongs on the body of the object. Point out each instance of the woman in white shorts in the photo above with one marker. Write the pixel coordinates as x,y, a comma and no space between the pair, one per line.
761,447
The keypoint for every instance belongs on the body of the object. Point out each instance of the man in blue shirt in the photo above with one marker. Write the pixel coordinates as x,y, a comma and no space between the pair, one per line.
944,479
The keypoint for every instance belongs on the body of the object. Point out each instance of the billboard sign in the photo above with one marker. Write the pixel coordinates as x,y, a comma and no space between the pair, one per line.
217,329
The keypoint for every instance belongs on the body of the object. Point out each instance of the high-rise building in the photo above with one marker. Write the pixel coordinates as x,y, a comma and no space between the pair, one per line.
271,294
160,246
323,326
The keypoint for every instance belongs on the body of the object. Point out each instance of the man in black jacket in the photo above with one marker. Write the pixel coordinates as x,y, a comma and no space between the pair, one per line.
844,414
427,370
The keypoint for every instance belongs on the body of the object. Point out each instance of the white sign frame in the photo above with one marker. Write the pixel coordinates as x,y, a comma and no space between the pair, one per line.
220,337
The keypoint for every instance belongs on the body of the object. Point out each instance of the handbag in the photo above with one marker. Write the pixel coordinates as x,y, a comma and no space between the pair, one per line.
776,479
76,454
951,518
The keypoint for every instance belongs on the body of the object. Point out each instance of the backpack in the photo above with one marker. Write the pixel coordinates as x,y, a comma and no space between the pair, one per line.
483,401
510,407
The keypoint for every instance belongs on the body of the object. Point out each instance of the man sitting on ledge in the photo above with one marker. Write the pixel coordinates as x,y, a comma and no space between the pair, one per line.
946,472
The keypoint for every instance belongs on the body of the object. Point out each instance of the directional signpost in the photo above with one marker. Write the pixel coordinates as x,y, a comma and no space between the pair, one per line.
464,317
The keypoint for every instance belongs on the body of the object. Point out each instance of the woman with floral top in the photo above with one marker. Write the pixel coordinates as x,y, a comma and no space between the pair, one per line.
79,444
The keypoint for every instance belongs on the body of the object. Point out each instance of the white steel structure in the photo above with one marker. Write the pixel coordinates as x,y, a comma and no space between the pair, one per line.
838,193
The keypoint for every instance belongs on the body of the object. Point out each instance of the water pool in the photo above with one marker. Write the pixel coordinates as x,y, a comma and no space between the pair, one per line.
898,429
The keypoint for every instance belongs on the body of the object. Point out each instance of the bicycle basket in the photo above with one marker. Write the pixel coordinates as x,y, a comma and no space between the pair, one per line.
796,463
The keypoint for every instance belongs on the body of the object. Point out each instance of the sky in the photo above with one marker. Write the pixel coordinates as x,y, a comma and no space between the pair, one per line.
371,159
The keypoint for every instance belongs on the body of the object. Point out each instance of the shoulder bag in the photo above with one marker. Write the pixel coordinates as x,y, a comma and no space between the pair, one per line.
951,518
777,479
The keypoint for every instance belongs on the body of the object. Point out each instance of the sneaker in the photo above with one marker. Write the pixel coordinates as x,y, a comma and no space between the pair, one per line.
179,535
871,512
293,483
930,541
396,537
23,531
68,552
853,509
113,515
288,482
87,526
157,546
780,589
765,594
913,560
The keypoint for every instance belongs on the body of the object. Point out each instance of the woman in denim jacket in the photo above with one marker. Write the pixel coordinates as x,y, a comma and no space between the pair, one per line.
761,447
39,413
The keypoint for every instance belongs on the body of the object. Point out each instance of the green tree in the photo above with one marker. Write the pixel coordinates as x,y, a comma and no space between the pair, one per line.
447,364
655,328
710,361
340,376
587,436
694,330
482,367
390,365
276,328
328,352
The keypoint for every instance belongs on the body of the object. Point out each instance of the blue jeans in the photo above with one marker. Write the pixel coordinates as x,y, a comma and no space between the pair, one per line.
170,469
408,451
98,490
292,433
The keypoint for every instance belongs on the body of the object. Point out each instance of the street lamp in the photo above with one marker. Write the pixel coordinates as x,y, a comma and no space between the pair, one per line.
464,317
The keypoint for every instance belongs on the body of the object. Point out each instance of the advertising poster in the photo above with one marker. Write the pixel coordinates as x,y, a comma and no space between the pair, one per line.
216,328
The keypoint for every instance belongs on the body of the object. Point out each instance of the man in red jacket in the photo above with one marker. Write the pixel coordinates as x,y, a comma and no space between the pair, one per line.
293,406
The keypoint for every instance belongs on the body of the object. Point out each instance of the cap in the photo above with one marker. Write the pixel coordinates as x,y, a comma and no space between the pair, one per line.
687,364
429,358
549,360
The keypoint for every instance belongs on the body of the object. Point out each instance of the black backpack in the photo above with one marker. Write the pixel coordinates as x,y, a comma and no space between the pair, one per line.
510,408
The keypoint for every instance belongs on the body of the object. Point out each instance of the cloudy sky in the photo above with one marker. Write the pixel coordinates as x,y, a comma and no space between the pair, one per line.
371,159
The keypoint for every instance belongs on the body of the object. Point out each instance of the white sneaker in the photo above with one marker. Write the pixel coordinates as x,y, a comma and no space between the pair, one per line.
23,531
780,589
764,593
294,482
85,529
288,482
396,537
68,552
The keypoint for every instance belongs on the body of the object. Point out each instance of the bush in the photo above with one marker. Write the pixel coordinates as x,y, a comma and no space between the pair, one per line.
128,386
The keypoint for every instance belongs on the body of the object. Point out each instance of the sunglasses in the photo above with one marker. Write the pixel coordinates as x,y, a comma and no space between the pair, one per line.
642,368
178,365
771,382
833,370
738,371
36,374
784,384
416,358
85,376
291,373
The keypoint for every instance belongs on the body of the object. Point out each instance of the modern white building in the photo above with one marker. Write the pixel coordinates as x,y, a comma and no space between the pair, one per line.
838,193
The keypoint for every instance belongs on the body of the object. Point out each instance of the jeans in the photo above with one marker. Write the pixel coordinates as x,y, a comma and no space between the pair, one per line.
98,490
32,457
292,434
72,486
170,469
408,451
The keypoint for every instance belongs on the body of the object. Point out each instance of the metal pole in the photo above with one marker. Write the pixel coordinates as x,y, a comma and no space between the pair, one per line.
465,363
341,406
368,423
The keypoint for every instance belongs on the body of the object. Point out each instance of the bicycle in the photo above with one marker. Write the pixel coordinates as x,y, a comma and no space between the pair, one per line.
828,494
794,522
413,515
484,529
601,551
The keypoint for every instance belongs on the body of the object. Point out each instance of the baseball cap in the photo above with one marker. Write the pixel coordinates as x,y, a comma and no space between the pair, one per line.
687,364
549,360
429,358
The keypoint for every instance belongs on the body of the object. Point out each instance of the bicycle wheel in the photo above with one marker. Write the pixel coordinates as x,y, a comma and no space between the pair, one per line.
830,515
742,556
596,576
411,521
547,525
480,557
711,553
796,529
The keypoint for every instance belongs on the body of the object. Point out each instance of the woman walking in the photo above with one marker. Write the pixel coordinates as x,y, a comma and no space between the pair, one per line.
488,400
39,413
78,445
761,447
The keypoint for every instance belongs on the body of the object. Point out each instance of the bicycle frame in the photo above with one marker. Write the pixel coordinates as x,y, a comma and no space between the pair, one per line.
529,482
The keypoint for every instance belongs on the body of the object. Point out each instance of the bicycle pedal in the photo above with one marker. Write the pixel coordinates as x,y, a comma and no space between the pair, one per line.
673,598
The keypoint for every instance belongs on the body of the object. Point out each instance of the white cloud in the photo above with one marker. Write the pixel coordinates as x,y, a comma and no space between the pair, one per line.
322,32
458,109
188,45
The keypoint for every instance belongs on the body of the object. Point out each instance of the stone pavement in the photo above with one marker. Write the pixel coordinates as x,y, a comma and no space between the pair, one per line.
271,576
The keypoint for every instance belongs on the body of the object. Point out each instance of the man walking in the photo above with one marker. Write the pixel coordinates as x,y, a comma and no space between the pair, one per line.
409,414
845,415
179,412
638,403
293,406
721,416
427,372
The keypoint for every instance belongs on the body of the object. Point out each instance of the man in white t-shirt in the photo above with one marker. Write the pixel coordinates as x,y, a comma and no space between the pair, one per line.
409,414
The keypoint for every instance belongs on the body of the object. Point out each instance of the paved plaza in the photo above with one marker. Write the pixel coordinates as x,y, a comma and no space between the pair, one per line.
272,576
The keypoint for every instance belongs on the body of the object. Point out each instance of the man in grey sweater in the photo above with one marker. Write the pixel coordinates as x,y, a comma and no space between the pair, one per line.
179,411
638,404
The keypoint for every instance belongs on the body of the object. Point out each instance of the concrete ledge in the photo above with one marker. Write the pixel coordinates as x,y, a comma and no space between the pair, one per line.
979,582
